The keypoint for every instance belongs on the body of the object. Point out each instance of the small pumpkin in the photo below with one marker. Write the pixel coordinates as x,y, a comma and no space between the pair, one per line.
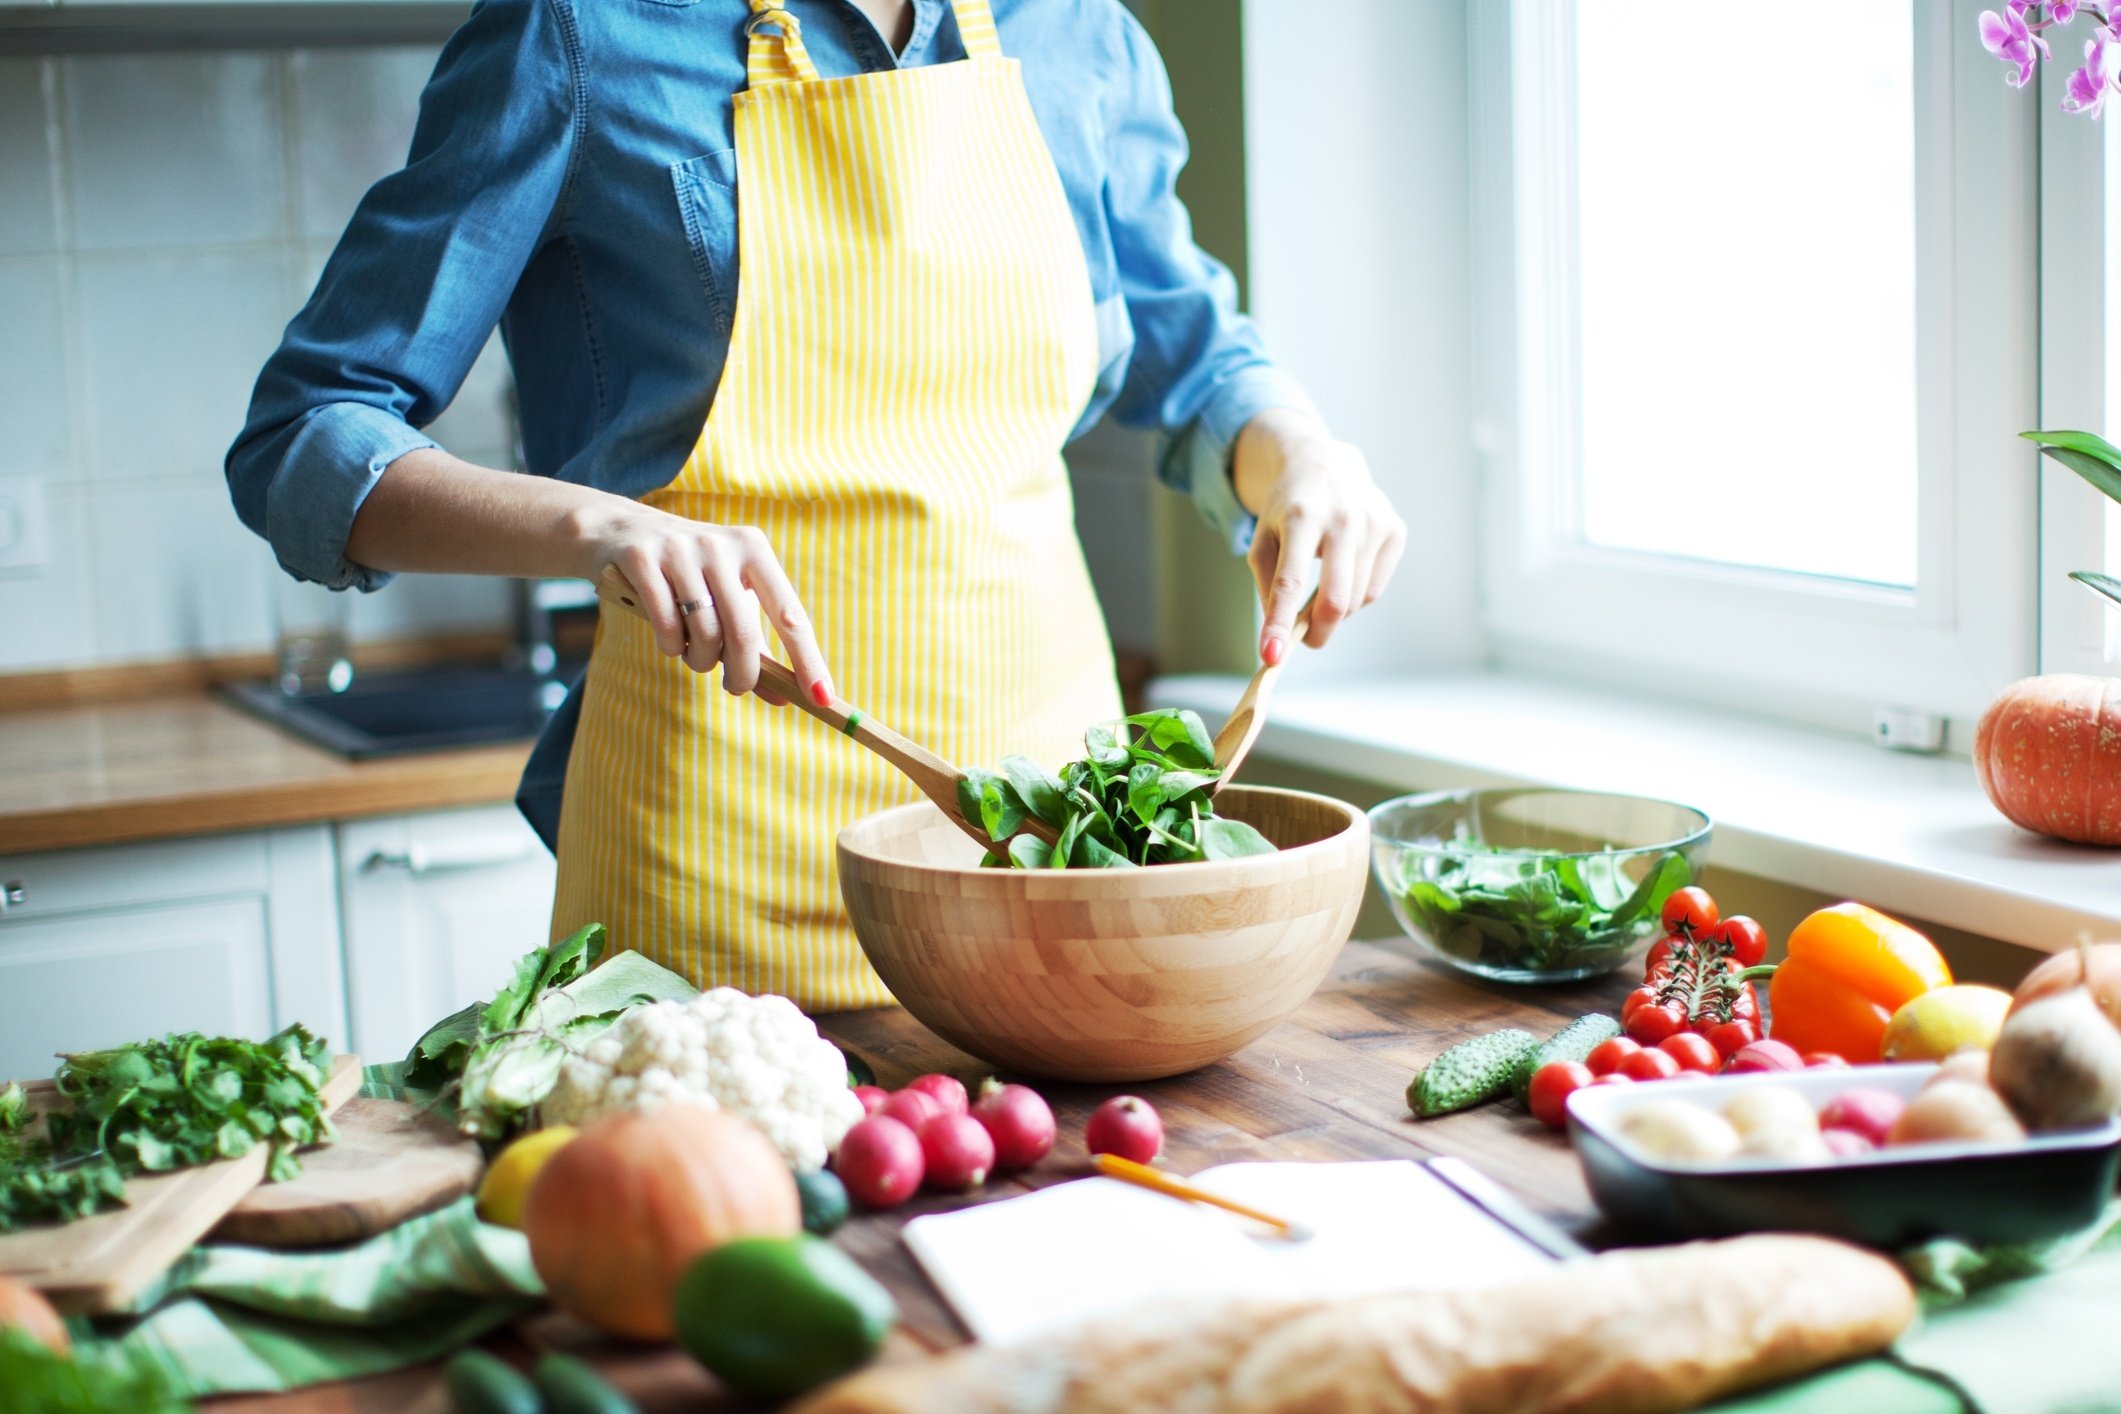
2048,752
23,1308
2097,967
616,1216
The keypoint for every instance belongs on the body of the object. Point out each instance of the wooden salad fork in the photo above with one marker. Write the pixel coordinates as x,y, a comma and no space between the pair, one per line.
1234,742
934,777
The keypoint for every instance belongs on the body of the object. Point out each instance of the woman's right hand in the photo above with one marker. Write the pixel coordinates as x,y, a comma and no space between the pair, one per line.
702,587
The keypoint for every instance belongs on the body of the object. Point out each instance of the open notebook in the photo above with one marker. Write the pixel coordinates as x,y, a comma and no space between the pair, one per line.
1091,1247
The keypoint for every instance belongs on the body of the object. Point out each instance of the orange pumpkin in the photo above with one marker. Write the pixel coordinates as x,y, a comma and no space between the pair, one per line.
616,1216
2048,752
22,1307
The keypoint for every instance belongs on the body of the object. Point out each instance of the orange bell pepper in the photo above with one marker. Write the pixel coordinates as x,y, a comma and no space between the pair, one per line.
1849,969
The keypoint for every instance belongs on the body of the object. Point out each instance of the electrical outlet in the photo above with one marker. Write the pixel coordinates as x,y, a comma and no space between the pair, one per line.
22,529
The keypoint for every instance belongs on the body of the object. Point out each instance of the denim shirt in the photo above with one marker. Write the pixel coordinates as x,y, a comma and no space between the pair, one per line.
572,178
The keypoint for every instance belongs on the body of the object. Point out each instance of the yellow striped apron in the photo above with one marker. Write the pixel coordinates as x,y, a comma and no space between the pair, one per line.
914,339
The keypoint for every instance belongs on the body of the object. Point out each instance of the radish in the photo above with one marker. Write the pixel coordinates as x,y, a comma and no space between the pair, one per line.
1845,1143
1870,1113
1019,1121
1125,1125
912,1108
1764,1055
880,1162
957,1151
872,1098
947,1091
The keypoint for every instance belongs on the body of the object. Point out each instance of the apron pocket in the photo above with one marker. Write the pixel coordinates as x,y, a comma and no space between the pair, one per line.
706,192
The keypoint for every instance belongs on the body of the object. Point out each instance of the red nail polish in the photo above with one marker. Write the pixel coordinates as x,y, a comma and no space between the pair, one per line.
821,692
1272,652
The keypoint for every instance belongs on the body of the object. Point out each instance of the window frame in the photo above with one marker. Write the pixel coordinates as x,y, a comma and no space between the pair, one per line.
2080,354
1814,649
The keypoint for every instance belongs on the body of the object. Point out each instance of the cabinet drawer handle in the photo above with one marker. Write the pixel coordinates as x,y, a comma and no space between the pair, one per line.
441,859
13,894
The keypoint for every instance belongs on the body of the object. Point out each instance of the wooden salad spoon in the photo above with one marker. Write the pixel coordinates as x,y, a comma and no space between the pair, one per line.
931,774
1234,742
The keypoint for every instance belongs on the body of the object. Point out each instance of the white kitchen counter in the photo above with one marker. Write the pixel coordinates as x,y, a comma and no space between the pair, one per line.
1908,833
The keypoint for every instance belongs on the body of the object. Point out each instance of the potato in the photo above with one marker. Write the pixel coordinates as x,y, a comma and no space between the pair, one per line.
1679,1131
2058,1062
1955,1111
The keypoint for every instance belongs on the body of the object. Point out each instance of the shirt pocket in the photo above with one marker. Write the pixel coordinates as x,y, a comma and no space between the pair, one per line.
706,195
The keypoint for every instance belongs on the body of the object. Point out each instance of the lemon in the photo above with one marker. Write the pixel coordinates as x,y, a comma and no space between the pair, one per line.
1944,1020
506,1188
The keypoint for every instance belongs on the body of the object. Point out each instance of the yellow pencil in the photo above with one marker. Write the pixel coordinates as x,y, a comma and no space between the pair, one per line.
1141,1175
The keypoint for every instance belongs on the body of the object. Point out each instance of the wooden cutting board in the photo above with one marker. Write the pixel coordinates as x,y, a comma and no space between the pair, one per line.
391,1161
99,1264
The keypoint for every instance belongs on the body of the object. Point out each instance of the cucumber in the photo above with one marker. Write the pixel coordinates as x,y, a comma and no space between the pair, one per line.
824,1200
571,1387
1470,1072
480,1383
1572,1042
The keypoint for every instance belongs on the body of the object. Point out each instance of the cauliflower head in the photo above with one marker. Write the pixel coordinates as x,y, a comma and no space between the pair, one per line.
757,1057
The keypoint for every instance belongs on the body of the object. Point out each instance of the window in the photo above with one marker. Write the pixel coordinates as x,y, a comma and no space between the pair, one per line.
1755,335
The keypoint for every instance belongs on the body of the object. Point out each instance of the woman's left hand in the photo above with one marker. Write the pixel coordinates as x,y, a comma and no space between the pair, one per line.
1315,501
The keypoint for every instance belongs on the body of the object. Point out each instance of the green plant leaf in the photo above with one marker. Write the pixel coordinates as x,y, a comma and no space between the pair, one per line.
1669,876
2089,455
1030,852
2099,583
1001,811
1105,748
1231,839
1039,789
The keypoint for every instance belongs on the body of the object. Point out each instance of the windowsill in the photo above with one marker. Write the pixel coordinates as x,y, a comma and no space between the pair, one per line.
1912,834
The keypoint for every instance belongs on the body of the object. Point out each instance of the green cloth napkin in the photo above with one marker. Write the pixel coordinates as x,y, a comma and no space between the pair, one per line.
1987,1340
243,1319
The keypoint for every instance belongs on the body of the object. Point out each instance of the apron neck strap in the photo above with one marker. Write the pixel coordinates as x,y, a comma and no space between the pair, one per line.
776,53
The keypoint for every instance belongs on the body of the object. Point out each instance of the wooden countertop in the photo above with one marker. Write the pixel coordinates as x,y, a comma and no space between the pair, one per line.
1327,1084
188,764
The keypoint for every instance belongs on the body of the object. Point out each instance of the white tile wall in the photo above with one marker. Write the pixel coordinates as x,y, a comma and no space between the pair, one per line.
162,216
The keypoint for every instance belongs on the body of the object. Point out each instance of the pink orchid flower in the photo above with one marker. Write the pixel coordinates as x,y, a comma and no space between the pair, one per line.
2009,38
2086,90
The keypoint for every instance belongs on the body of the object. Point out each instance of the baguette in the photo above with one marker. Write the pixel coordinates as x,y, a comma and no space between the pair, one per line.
1633,1332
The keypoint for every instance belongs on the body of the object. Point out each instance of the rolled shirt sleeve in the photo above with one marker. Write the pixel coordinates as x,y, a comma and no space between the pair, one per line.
1199,371
414,289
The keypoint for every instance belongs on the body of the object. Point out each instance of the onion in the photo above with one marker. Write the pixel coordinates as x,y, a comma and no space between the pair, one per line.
2095,965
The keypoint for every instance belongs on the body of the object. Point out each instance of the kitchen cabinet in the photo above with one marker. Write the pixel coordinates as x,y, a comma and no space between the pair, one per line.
233,934
437,907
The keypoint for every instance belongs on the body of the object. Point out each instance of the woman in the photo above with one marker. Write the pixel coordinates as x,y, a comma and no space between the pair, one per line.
800,317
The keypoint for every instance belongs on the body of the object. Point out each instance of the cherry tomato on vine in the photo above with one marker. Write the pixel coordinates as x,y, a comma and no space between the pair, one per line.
1606,1056
1658,957
1689,907
1642,996
1552,1084
1650,1065
1731,1037
1651,1024
1693,1051
1614,1077
1747,938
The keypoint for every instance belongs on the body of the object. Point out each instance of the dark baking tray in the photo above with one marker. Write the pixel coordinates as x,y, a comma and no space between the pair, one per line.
2041,1187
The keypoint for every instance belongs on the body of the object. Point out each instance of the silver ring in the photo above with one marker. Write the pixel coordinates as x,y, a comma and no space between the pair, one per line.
685,609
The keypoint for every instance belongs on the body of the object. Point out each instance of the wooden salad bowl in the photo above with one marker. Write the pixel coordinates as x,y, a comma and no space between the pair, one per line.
1106,974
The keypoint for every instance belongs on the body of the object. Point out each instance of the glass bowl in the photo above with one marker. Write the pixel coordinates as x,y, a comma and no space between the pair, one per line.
1533,885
